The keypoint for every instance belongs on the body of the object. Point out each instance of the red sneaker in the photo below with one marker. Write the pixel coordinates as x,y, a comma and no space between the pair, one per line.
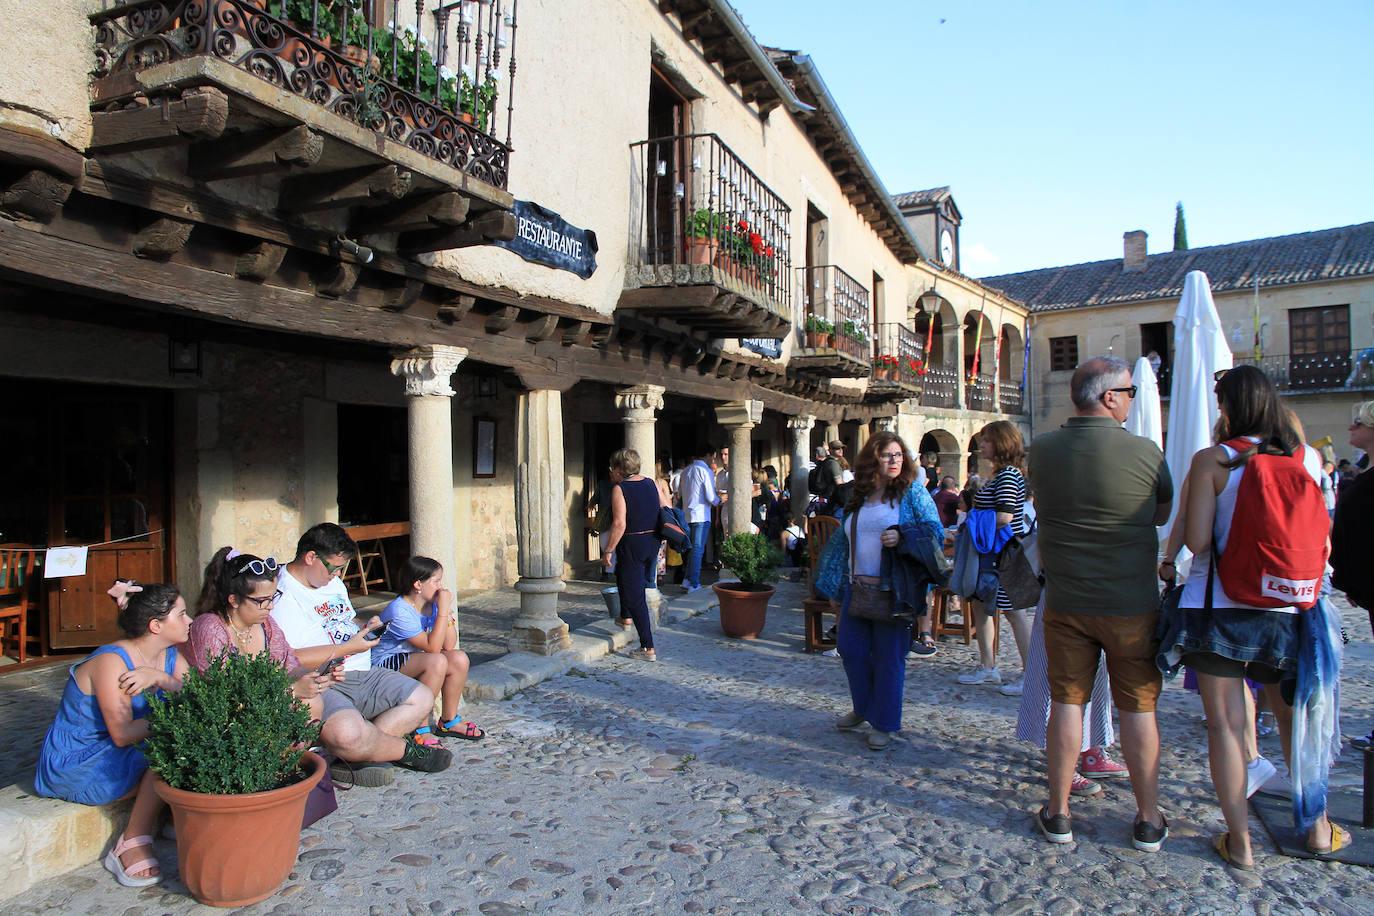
1084,788
1095,764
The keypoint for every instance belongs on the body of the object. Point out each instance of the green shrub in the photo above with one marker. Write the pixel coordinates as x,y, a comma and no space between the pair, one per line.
233,730
752,557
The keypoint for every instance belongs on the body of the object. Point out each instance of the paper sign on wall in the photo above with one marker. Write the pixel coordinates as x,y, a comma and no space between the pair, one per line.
61,562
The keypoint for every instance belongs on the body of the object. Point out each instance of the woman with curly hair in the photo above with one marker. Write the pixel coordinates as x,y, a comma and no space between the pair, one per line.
883,508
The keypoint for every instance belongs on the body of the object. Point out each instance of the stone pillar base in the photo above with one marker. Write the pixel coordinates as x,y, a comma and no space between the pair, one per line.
539,629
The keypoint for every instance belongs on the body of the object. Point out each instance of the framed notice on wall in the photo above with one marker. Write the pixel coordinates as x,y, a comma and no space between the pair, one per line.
483,447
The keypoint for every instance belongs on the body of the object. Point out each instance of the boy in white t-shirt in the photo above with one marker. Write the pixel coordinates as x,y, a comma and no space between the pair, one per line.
367,711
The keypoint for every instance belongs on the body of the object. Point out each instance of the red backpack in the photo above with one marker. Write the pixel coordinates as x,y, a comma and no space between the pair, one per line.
1276,551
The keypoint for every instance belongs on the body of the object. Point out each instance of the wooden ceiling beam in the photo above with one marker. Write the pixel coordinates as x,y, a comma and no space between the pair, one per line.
200,114
416,213
257,153
490,226
162,238
345,188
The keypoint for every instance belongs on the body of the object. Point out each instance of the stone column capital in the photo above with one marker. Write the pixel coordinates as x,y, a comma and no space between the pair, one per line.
885,424
640,398
747,414
803,422
427,369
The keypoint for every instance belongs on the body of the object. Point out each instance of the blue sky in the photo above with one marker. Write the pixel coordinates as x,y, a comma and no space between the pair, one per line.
1060,125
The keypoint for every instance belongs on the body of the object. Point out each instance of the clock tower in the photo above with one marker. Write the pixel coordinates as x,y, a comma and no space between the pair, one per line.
934,219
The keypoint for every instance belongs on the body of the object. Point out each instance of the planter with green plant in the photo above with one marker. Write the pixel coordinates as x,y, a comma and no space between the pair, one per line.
229,751
744,603
819,333
703,235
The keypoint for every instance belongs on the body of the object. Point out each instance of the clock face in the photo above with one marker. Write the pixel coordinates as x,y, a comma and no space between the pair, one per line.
946,247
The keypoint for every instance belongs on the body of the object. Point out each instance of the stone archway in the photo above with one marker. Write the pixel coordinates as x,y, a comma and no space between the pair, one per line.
941,444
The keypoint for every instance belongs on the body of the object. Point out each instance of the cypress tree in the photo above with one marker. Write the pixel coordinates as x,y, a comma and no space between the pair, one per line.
1180,229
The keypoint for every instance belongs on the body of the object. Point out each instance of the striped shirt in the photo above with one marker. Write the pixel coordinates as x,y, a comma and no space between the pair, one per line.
1006,492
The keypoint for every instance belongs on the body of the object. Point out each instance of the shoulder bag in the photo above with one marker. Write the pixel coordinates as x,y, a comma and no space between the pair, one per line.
869,598
1017,571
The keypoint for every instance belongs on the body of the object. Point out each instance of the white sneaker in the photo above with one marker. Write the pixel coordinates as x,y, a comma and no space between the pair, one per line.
831,653
981,676
1013,689
1257,773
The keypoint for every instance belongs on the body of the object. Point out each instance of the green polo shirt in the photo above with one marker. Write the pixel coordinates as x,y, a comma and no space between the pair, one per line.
1096,489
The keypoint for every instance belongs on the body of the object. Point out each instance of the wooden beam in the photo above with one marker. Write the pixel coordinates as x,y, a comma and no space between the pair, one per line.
258,153
346,188
500,320
200,114
403,297
337,279
31,149
541,328
259,262
415,213
492,225
455,308
577,333
690,23
36,194
162,238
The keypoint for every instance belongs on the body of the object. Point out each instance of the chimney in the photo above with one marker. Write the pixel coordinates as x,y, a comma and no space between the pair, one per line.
1135,250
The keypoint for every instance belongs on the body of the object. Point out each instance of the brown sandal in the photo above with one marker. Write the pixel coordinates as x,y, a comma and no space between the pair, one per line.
1221,843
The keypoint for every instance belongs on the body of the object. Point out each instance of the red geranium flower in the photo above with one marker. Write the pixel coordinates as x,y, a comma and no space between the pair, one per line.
768,251
743,225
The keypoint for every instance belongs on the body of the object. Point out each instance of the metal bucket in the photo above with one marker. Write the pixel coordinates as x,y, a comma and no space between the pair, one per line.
612,598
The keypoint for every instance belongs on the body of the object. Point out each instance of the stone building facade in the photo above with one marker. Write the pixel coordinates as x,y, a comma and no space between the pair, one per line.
253,280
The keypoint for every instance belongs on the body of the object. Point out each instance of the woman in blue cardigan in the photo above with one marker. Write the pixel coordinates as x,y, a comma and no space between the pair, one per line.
889,508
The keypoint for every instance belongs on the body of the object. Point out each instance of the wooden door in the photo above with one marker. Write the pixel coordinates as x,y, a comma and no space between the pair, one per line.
108,490
1319,351
669,161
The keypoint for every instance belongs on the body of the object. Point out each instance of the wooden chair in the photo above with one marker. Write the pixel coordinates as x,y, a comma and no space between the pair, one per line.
369,554
814,608
940,623
16,584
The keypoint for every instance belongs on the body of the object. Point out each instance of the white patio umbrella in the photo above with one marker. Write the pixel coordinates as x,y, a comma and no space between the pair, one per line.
1200,349
1145,418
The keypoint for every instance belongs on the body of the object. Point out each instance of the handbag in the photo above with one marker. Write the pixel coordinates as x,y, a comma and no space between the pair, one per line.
672,527
1017,573
869,598
321,802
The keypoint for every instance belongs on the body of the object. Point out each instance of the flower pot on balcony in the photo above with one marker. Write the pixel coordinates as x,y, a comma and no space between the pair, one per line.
466,117
699,250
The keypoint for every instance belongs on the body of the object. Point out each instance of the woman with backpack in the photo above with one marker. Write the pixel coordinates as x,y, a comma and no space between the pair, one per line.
1223,639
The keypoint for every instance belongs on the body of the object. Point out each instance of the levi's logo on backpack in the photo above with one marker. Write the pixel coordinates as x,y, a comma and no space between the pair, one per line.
1276,550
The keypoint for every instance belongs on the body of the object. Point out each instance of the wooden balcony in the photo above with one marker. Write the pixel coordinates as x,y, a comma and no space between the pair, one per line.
836,337
714,250
898,363
382,139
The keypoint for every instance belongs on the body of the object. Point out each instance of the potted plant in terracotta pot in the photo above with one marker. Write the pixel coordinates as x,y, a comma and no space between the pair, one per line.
744,604
229,751
703,229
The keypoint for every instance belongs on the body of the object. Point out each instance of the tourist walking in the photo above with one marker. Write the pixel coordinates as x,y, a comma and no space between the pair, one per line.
1099,493
91,753
1352,532
884,510
1226,641
1005,494
635,501
698,495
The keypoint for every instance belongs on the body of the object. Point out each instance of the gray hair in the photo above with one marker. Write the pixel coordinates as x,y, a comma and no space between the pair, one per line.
626,460
1092,379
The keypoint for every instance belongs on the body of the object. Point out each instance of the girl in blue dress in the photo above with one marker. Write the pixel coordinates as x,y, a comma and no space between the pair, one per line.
91,753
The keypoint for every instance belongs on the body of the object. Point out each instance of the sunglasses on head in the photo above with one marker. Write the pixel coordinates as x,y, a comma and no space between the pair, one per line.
256,567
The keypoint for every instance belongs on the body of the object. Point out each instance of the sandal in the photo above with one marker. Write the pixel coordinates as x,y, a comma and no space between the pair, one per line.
1220,843
625,623
458,728
923,647
121,873
425,737
644,655
1340,839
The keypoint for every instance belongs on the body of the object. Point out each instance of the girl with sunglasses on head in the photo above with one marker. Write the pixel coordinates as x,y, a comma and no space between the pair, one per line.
91,753
1352,531
234,615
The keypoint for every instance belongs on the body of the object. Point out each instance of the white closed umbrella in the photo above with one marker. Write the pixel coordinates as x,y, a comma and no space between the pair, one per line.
1200,350
1145,418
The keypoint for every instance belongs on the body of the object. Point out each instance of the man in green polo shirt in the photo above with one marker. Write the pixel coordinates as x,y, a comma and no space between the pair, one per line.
1099,493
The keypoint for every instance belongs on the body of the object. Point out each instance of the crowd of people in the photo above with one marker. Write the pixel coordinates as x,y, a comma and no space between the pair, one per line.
1092,495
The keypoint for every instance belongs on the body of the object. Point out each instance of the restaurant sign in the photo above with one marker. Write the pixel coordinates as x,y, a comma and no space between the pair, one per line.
763,346
544,237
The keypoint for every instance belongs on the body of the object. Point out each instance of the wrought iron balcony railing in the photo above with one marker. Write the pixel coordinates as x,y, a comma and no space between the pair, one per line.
1011,398
1344,369
978,392
438,98
836,313
897,356
700,204
940,387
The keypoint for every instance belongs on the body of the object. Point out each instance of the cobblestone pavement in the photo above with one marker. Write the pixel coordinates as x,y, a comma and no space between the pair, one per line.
714,781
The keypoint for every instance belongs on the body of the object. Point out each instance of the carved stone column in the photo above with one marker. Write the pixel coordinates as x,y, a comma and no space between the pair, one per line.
739,417
638,405
954,356
540,522
429,420
800,428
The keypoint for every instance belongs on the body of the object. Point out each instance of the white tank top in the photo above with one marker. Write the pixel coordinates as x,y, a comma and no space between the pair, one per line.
1195,589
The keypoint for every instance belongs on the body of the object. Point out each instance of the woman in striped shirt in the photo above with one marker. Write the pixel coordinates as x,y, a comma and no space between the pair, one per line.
1000,443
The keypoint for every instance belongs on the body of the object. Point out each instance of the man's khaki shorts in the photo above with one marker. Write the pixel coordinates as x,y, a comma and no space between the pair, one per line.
1073,644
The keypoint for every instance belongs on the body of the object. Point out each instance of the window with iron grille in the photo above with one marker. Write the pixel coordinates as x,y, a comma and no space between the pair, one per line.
1063,354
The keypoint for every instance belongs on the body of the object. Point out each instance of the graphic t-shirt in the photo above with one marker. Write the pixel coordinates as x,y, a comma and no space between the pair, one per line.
317,616
402,622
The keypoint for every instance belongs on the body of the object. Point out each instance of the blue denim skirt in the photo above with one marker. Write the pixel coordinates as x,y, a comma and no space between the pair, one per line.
1267,637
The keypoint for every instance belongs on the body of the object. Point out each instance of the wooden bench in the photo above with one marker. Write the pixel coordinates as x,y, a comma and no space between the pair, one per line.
370,567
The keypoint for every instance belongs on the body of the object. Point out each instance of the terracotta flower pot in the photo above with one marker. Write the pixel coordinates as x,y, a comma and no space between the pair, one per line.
743,608
699,250
234,850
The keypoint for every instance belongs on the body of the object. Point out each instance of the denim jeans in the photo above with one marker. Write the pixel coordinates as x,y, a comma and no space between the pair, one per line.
700,531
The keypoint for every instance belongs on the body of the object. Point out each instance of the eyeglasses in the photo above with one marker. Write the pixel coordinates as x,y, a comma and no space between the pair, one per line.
1220,374
261,602
892,456
331,568
1129,391
257,567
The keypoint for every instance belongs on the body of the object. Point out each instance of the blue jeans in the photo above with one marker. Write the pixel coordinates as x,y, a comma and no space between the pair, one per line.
874,657
700,531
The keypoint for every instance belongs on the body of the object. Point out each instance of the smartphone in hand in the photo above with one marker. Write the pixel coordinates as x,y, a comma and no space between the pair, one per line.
374,635
329,666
